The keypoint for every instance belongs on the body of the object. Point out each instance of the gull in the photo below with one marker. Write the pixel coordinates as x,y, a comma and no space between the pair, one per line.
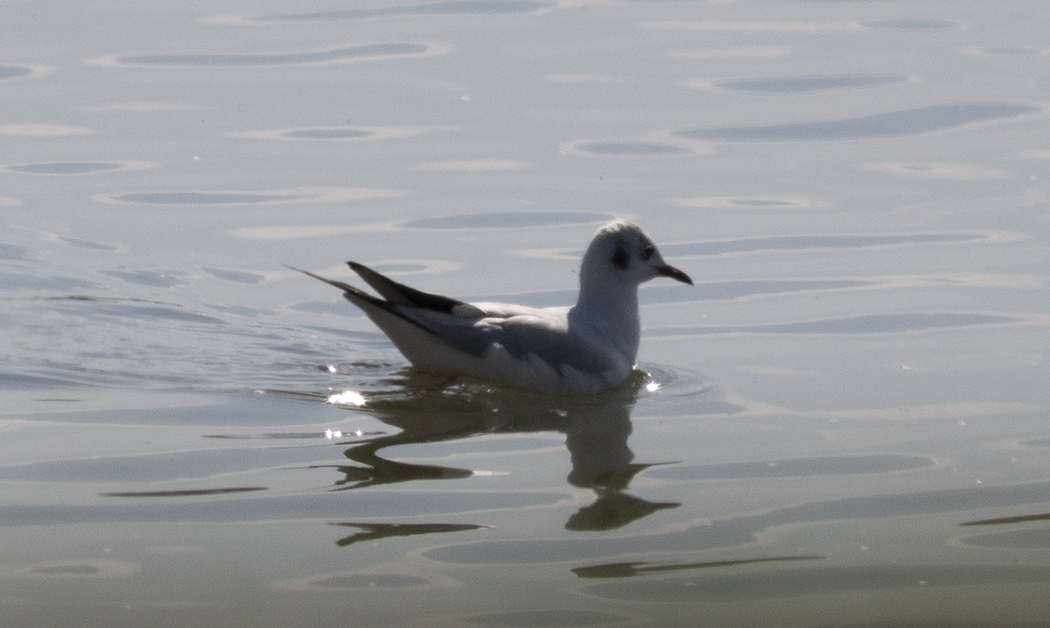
582,349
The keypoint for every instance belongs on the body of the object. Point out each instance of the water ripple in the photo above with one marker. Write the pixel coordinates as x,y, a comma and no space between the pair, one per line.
892,124
506,220
1035,539
911,23
14,252
467,7
795,467
632,148
737,531
370,581
252,197
327,134
207,198
803,242
363,52
154,278
14,71
868,324
333,133
263,505
549,617
20,282
797,583
236,276
203,492
44,130
1009,51
87,244
75,167
153,314
752,202
941,171
78,569
800,84
731,290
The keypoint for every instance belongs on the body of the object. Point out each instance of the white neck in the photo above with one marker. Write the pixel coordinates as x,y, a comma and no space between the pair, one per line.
610,310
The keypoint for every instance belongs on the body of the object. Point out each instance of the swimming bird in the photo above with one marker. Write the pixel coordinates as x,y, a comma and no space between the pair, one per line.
582,349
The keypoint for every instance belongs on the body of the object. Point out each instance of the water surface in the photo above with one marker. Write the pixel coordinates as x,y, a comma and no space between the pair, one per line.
843,423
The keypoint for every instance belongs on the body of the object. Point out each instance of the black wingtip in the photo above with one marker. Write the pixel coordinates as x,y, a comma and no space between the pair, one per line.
400,294
332,282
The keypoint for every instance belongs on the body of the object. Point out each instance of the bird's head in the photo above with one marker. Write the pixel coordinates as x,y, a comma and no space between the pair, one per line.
622,250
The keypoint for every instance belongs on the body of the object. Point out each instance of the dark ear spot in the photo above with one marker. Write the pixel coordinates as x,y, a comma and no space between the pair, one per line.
621,258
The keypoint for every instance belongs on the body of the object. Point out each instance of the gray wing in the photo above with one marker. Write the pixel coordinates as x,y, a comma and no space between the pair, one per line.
519,330
545,334
474,328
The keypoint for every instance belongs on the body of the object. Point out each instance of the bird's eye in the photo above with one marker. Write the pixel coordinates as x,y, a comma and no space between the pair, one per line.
647,252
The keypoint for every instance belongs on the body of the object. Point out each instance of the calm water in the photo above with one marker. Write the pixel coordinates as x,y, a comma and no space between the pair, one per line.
844,423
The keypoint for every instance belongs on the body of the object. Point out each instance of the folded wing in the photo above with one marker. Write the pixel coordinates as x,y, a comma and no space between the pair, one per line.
442,334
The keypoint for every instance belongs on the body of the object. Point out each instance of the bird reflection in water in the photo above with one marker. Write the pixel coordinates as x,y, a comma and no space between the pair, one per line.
429,410
376,531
